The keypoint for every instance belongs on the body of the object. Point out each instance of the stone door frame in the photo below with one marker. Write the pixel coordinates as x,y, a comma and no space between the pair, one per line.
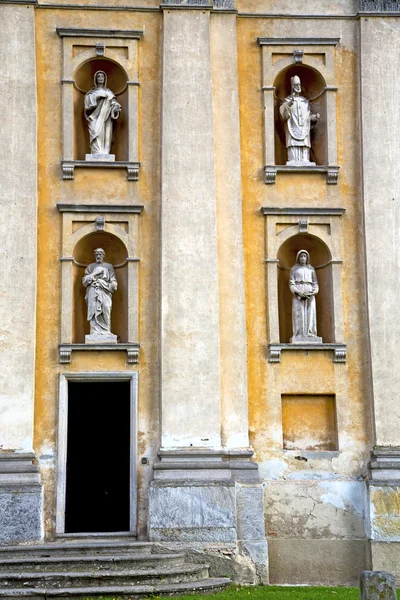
62,439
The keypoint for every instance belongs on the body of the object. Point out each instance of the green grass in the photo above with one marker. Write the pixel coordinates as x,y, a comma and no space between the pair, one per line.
275,592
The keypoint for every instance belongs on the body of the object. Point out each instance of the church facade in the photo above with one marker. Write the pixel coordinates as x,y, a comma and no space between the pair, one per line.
199,311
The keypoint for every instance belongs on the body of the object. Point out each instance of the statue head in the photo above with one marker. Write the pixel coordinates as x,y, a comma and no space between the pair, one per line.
295,84
100,79
303,258
99,255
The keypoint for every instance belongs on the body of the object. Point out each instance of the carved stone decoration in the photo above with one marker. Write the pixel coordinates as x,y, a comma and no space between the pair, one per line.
101,109
303,284
298,56
100,283
296,115
380,5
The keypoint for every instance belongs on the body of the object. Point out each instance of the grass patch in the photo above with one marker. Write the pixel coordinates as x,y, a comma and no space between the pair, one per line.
278,592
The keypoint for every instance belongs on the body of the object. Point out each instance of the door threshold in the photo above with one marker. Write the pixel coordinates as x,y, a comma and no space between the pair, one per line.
85,534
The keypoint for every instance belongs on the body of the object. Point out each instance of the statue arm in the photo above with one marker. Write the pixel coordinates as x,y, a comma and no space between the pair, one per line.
87,278
113,279
292,283
285,111
315,286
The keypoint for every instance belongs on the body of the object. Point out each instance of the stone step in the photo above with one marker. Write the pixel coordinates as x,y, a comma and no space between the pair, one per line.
78,548
87,562
205,585
98,578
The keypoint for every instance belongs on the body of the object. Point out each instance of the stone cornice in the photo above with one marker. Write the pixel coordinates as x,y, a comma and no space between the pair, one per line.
295,41
106,208
298,211
96,33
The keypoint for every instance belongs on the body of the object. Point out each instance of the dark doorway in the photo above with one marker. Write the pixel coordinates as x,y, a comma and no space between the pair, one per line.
98,457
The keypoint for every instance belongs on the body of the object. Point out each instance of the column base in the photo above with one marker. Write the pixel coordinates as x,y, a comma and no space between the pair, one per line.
209,497
20,499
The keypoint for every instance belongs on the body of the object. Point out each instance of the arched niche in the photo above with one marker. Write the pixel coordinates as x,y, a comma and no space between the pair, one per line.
117,81
313,88
116,254
320,257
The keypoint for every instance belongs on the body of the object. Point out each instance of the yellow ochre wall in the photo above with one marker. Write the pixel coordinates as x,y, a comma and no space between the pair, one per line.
303,372
101,186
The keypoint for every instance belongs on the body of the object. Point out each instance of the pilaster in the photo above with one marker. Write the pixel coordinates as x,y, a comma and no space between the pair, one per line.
380,44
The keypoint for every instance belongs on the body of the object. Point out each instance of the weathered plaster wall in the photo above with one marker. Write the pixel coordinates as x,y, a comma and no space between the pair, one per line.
306,372
380,44
18,226
96,187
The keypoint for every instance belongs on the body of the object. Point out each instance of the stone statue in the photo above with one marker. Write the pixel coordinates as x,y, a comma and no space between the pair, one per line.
304,286
101,109
100,283
296,115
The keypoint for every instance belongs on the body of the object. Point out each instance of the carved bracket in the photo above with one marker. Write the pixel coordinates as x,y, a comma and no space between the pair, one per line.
270,172
339,350
132,168
298,56
132,351
303,226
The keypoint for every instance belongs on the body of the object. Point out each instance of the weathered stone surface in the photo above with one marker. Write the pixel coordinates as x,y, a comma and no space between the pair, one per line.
317,562
20,513
192,512
377,585
386,556
250,513
385,512
312,509
18,167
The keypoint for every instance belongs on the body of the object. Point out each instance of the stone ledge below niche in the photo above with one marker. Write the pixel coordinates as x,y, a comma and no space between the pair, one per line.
339,350
132,168
131,349
332,172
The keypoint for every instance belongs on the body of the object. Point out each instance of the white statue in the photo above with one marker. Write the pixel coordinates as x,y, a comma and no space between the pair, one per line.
100,283
304,286
101,109
296,115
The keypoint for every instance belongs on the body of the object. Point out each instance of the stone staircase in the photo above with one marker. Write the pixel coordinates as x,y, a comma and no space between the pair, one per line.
78,569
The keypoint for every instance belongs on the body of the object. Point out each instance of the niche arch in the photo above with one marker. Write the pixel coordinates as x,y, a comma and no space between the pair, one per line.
317,230
117,81
116,254
313,59
313,87
115,52
115,228
320,258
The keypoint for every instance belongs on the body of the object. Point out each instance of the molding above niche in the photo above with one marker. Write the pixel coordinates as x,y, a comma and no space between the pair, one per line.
104,33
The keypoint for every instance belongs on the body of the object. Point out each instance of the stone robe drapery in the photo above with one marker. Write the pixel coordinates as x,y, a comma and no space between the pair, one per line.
303,279
100,112
298,121
100,282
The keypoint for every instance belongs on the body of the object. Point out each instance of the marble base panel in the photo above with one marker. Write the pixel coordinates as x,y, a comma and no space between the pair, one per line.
101,339
101,157
20,499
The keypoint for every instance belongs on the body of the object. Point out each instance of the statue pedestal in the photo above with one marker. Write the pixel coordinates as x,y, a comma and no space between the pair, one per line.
100,157
299,339
106,338
296,163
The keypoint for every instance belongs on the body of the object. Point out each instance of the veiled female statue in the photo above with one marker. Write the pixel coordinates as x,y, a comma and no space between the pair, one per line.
303,284
100,283
101,109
